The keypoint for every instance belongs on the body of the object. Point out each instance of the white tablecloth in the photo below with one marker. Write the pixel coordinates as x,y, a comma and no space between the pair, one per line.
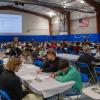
68,57
47,87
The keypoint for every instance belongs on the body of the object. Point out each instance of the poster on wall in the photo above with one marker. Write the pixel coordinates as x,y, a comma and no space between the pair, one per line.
84,22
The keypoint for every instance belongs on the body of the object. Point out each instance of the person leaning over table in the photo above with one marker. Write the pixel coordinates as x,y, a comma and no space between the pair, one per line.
27,57
12,84
51,63
67,73
88,59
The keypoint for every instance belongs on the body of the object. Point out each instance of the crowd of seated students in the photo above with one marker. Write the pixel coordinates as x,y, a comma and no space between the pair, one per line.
59,69
62,47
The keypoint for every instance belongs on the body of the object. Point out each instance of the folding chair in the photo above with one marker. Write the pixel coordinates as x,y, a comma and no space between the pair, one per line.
1,62
4,95
84,75
97,73
38,63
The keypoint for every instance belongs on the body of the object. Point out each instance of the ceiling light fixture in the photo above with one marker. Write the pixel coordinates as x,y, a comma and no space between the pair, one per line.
51,13
67,4
64,6
82,1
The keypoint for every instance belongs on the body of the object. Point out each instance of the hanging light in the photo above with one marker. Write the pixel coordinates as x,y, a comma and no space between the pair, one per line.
51,13
67,4
64,6
81,1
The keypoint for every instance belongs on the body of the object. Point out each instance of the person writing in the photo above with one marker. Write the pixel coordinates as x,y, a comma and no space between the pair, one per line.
67,73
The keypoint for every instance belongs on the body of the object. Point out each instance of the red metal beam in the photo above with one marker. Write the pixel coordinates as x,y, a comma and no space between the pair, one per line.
98,21
68,22
50,27
24,11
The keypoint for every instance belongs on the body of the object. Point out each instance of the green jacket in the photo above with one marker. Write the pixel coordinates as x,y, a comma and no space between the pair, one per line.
71,74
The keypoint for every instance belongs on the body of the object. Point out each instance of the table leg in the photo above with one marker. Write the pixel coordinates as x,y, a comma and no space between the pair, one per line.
58,97
44,99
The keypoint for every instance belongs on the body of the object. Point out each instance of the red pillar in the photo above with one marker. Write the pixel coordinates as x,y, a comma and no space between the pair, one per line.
98,20
68,22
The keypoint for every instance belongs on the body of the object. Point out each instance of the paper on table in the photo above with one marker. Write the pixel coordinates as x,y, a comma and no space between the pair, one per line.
27,77
43,76
30,66
31,77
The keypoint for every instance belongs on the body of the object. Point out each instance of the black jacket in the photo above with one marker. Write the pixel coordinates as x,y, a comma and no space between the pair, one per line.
51,66
12,85
1,68
15,51
88,59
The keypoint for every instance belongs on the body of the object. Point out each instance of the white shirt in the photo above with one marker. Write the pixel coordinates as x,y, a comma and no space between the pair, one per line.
98,55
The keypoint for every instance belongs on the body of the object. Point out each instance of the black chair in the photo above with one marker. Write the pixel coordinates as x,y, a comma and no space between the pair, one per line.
84,76
1,66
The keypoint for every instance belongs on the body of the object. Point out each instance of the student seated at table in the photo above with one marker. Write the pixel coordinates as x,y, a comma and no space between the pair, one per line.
12,84
27,57
88,59
51,63
67,73
13,51
77,48
53,45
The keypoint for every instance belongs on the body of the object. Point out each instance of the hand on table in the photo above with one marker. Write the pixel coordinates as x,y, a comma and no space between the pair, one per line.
39,71
53,75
